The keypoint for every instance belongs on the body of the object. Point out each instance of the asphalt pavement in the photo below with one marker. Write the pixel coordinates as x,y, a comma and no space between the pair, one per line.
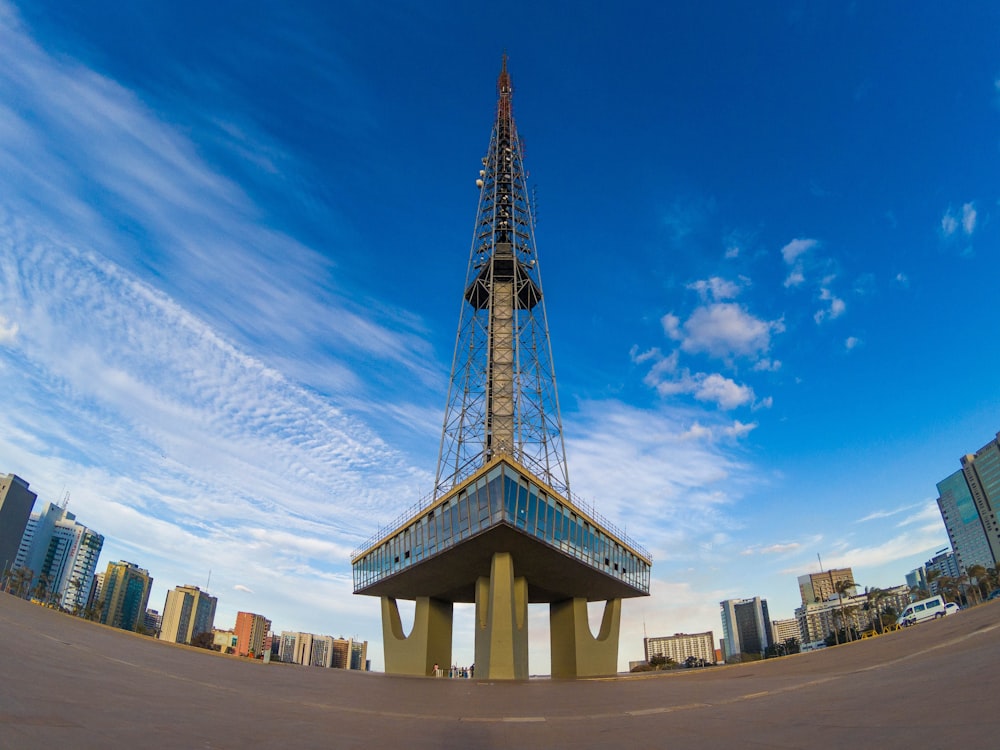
69,683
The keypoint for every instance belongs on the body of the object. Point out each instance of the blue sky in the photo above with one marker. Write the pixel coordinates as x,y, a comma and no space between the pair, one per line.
233,240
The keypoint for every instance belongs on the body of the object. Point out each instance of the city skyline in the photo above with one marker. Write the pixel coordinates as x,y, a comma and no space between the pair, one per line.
230,246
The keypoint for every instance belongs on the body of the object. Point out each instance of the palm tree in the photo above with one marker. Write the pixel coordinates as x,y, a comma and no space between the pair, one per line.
20,580
875,595
993,578
978,574
843,587
948,587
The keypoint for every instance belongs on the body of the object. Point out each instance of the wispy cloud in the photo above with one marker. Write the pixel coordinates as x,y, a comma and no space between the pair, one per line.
965,220
781,548
677,464
717,288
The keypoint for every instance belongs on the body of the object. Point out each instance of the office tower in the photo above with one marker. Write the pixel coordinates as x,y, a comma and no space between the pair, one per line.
746,627
125,595
16,501
187,612
966,530
251,631
502,527
969,501
945,562
819,587
61,555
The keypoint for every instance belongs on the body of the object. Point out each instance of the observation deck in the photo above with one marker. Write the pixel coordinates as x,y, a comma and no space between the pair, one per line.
441,550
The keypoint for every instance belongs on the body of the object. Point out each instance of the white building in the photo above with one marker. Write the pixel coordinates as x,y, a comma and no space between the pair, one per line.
681,646
62,555
783,630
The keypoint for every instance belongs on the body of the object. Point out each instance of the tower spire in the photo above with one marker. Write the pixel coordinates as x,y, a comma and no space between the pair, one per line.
502,397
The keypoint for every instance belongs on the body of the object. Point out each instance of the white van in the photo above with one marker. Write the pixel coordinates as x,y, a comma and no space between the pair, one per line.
922,610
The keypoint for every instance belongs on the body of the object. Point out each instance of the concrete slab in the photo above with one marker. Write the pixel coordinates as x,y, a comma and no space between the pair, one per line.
66,682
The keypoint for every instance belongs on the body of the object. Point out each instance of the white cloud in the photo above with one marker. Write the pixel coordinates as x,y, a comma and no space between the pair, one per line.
639,357
725,330
716,288
773,549
969,218
706,387
796,248
902,279
697,431
767,365
835,310
921,507
950,223
671,326
722,391
738,429
241,587
851,342
795,278
8,330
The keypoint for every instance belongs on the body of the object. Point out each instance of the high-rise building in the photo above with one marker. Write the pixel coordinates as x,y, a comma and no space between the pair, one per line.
818,587
969,501
61,555
251,631
153,622
125,595
783,630
746,627
961,518
16,501
187,612
682,646
944,563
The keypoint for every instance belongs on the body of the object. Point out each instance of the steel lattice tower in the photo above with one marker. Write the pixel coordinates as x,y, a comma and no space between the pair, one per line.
502,396
502,529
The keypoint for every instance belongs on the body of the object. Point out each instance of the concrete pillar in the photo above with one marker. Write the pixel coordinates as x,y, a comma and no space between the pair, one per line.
502,622
428,643
577,653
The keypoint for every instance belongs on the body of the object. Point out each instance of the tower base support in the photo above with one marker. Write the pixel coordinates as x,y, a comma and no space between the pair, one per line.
502,622
575,651
428,643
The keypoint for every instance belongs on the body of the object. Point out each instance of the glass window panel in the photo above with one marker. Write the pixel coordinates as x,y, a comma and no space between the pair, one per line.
522,505
510,497
530,516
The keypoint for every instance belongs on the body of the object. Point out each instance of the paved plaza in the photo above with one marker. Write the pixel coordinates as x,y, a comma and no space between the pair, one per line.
69,683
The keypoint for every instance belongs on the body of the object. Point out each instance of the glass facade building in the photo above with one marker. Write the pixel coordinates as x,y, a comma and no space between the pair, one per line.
504,496
961,519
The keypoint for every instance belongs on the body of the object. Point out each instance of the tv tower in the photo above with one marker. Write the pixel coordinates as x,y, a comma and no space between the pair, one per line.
502,395
502,530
